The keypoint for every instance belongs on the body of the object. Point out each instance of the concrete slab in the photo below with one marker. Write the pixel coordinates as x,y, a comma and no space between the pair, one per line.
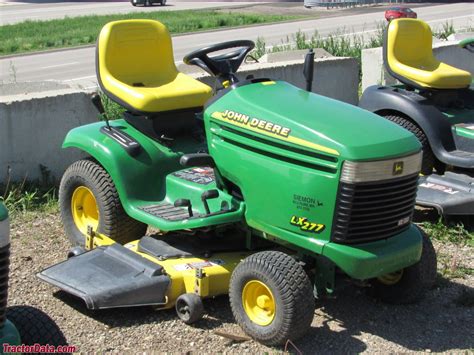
24,88
460,36
293,55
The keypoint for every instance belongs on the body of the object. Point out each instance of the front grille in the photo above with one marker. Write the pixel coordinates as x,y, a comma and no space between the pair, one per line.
4,268
374,210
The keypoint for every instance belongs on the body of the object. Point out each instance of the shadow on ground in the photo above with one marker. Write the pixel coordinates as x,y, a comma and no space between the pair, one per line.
441,322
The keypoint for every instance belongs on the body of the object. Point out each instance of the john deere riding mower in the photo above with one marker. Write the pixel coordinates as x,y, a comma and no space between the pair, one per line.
435,102
21,324
260,190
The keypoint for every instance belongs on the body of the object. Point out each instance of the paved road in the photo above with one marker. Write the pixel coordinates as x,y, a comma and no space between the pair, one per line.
13,12
77,66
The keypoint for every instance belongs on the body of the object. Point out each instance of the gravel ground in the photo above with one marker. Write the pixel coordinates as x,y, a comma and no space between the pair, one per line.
352,322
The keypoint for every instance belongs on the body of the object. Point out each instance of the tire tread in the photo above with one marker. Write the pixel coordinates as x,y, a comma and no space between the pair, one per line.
295,289
114,221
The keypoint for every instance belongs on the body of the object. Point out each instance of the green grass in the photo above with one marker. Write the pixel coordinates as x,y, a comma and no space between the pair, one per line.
112,109
22,198
338,44
455,234
28,196
41,35
446,29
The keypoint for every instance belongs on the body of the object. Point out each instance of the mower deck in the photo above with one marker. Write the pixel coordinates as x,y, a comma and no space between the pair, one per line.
149,271
450,194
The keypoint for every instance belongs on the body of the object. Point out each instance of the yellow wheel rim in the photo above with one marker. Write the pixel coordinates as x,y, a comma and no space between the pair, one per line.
391,278
85,211
259,303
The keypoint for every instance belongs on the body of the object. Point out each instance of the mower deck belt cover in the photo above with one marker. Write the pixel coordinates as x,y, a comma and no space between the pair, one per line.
160,249
111,276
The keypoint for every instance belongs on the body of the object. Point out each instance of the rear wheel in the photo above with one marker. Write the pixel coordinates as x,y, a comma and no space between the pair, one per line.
35,326
429,159
410,284
88,198
163,2
271,297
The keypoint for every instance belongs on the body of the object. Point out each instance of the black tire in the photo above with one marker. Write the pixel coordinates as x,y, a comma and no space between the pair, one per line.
415,280
291,290
429,159
113,221
189,308
35,326
163,2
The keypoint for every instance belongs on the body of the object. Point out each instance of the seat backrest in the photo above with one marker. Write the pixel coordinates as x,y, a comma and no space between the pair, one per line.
134,52
409,41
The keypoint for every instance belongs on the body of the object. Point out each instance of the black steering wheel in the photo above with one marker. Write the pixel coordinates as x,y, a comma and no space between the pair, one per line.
223,66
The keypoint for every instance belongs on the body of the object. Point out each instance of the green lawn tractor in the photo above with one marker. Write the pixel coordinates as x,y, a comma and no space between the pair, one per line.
21,325
260,190
435,102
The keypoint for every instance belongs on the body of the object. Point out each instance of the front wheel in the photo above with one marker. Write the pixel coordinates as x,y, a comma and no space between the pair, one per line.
88,198
410,284
271,297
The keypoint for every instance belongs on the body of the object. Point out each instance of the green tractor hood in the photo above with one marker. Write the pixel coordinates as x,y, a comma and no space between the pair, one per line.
286,114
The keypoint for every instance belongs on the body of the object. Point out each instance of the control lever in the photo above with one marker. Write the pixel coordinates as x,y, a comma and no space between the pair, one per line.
207,195
97,102
182,202
308,69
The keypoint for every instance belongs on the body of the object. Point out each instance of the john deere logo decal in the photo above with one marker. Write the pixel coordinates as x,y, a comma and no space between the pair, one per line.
267,128
397,168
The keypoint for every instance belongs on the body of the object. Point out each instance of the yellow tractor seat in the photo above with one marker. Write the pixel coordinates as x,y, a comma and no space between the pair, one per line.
408,56
135,67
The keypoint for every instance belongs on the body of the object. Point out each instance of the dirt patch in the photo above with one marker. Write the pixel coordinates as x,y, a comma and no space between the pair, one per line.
352,322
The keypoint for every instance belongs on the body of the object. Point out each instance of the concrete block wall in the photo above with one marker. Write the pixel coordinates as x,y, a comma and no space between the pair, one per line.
334,77
35,117
374,73
32,129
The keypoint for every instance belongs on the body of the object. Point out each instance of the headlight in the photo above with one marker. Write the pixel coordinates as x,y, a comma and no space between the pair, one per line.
4,232
381,169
